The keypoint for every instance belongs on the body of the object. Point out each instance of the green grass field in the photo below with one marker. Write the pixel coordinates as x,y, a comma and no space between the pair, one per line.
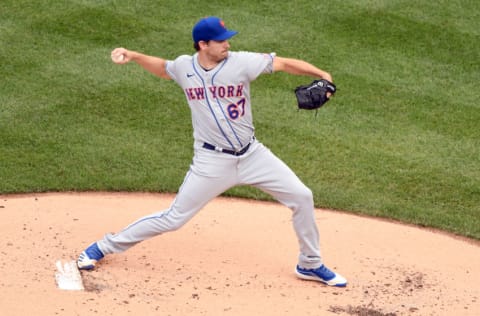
400,140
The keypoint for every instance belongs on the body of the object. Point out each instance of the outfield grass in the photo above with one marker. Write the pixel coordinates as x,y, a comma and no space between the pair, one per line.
400,140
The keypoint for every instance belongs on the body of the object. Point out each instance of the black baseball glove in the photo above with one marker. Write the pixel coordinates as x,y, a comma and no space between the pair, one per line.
314,95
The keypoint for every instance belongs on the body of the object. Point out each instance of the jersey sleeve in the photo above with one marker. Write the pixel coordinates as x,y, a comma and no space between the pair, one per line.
170,68
175,67
258,63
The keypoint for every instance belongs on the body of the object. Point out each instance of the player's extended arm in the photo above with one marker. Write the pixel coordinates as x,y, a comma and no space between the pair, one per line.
155,65
299,67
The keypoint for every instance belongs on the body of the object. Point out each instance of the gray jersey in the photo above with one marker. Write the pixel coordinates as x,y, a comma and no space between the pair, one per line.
222,116
219,99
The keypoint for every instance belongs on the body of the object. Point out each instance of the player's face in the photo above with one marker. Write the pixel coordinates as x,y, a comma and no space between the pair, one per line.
218,50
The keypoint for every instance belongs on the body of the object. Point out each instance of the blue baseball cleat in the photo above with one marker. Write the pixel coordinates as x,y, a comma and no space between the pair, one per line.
89,257
322,274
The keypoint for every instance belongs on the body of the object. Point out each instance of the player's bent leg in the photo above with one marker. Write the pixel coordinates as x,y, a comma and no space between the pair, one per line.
267,172
193,195
277,179
196,191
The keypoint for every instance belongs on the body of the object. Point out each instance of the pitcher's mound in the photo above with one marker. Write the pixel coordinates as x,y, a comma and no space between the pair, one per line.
236,257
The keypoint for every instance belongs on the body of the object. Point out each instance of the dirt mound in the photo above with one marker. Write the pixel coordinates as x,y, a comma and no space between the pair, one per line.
236,257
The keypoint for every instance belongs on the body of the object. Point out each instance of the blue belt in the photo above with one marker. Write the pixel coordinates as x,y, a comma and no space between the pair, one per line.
227,151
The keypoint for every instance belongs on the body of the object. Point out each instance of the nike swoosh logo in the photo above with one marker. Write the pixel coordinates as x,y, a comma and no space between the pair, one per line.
190,75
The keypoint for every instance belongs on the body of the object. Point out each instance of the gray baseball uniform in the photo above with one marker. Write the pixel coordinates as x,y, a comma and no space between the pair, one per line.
226,154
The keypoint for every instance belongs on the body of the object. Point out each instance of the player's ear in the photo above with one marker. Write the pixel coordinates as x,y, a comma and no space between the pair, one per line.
203,44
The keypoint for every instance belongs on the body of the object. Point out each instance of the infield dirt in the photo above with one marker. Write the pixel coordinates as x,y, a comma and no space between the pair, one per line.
236,257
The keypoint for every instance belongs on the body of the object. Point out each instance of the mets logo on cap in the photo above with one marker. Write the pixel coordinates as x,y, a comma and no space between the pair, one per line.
211,28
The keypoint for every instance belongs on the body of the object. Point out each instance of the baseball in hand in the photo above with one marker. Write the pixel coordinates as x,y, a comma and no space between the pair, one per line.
118,58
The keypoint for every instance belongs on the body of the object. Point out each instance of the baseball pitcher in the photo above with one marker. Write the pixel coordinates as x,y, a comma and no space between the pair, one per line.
216,84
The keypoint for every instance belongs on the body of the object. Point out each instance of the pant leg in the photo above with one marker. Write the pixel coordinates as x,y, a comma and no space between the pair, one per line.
209,176
267,172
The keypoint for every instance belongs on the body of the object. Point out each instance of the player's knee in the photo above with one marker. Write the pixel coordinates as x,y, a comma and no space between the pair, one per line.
307,196
179,219
176,224
303,198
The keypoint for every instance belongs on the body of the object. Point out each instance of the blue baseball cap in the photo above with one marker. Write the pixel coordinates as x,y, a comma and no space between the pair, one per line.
211,28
